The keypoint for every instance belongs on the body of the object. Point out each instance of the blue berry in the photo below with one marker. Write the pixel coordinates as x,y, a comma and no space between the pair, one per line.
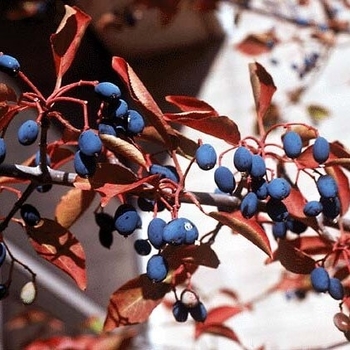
326,186
9,65
126,219
106,128
258,168
179,231
142,247
277,210
249,205
120,110
320,150
278,188
259,186
224,179
319,278
2,253
292,144
107,91
164,172
155,232
279,229
199,312
135,123
2,150
44,188
336,289
28,132
89,143
30,214
180,311
242,159
206,156
37,159
85,166
330,207
313,208
157,268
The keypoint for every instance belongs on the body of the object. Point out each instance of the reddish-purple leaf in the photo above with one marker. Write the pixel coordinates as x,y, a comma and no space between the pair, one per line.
133,302
216,329
145,101
292,258
249,228
263,88
208,122
65,42
188,104
257,44
7,93
222,313
57,245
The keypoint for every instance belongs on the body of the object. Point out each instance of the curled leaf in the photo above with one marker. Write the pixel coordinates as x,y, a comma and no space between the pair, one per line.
188,103
123,148
248,228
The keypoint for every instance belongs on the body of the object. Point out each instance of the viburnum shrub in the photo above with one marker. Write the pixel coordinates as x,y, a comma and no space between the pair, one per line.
258,194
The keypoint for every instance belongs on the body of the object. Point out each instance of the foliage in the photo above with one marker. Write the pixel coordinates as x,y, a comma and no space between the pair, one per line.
122,170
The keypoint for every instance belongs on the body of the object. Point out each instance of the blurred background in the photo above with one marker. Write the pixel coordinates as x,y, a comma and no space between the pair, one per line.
180,49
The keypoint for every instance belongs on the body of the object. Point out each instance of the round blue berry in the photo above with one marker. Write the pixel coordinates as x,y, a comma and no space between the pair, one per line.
258,168
89,143
135,123
320,150
206,156
126,219
335,289
85,166
313,208
326,186
259,186
279,229
292,144
179,231
180,311
276,210
224,179
242,159
249,205
30,214
319,278
278,188
107,91
9,65
164,172
28,132
155,232
157,268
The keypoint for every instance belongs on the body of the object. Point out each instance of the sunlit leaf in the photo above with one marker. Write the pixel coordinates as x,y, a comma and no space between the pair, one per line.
65,42
263,88
72,205
57,245
188,104
133,302
145,101
208,122
123,148
248,228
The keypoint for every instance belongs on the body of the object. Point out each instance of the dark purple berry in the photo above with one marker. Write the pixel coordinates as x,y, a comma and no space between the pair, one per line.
142,247
331,207
180,311
199,312
2,150
2,253
296,226
277,210
259,186
30,214
279,229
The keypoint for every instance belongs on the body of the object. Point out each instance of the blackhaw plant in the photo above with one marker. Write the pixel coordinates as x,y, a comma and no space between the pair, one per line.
258,197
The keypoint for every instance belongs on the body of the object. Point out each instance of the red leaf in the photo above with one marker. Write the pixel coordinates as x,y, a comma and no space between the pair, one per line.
343,186
145,101
248,228
57,245
263,88
292,258
257,44
7,93
188,104
223,313
216,329
134,302
109,190
65,42
208,122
